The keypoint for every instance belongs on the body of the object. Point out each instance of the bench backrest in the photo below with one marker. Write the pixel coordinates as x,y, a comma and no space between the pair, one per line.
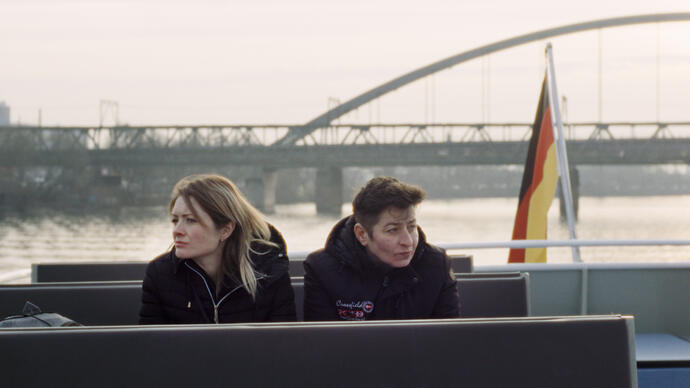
502,295
87,272
97,303
117,303
529,352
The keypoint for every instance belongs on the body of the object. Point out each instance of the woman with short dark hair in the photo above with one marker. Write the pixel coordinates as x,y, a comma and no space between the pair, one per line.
376,263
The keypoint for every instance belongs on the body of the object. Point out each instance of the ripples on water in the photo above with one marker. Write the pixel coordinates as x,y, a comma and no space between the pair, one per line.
139,234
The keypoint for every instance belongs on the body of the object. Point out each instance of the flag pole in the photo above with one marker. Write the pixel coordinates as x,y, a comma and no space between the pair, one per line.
561,154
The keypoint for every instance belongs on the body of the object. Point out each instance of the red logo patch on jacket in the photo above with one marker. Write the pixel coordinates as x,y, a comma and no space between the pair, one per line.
354,311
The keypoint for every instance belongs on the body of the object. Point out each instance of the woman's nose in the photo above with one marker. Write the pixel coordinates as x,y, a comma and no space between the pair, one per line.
177,229
406,238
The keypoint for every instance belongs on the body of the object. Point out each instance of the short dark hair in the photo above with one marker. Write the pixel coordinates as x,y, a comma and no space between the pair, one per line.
381,193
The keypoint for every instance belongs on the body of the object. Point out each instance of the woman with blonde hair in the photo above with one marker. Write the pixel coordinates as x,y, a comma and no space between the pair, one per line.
227,264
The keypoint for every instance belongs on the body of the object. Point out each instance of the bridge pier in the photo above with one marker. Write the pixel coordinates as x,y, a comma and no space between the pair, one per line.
575,188
270,180
260,189
329,190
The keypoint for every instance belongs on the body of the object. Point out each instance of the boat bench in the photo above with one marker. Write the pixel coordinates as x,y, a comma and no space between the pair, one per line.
593,351
120,271
118,303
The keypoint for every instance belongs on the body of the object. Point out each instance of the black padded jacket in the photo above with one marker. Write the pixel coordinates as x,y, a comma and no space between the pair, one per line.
178,291
342,282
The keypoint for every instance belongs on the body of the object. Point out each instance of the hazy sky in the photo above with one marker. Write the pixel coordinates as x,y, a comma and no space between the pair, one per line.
169,62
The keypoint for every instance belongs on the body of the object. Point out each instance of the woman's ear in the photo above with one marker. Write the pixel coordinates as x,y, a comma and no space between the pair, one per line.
361,234
226,231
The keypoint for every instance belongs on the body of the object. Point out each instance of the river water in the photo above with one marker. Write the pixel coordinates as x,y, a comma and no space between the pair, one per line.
139,234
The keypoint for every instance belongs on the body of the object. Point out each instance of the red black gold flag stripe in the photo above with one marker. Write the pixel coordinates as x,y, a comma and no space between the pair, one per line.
538,185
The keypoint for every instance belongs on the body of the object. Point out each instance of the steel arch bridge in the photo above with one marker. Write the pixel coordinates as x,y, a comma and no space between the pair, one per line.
297,133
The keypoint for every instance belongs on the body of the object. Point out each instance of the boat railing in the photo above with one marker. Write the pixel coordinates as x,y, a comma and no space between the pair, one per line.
20,274
301,255
560,243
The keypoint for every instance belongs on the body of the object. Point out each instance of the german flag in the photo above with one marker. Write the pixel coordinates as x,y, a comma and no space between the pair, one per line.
538,185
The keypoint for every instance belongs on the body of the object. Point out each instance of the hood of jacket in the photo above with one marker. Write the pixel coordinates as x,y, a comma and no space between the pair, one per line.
268,260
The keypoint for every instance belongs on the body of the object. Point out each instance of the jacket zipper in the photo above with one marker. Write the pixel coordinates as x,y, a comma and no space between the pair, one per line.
384,284
213,301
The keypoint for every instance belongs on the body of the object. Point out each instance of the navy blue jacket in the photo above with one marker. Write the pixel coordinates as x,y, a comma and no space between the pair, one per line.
178,291
342,282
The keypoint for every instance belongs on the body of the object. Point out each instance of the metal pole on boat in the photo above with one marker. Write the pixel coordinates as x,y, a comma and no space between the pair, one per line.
561,153
564,173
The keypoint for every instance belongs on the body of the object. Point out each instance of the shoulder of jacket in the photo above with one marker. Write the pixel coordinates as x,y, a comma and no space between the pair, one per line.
320,259
325,265
433,257
435,251
161,262
271,267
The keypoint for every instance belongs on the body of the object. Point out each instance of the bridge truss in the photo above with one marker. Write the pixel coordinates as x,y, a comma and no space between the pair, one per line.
336,146
264,136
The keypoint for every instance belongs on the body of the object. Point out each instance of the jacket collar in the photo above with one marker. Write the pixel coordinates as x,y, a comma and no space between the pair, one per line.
177,262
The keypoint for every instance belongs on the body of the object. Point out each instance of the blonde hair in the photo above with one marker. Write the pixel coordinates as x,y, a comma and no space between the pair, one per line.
225,204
